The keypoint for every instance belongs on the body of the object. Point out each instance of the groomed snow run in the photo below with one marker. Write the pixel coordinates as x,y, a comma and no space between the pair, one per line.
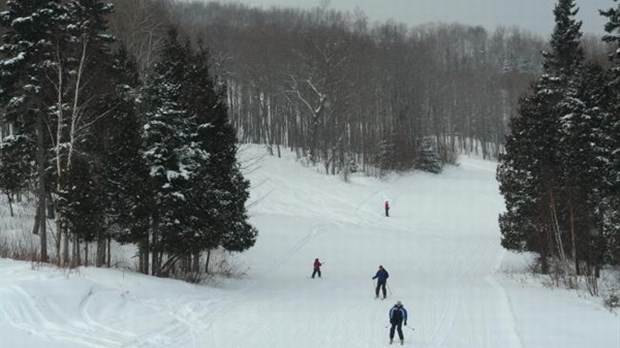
440,246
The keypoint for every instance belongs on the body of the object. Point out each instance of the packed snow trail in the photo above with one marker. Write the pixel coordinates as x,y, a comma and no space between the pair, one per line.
440,246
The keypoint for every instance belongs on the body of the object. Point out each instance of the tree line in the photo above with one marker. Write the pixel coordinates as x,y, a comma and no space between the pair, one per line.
114,151
560,174
342,92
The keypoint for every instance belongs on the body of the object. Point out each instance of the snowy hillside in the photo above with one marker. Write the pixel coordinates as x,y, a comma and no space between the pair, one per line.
440,246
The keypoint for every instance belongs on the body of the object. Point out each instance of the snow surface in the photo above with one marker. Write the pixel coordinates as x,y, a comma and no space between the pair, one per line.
440,245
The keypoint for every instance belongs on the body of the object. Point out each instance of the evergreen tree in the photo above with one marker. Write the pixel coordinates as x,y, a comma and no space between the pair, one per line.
612,130
530,173
16,166
167,150
81,202
27,55
128,179
584,157
220,191
428,157
189,148
521,225
386,154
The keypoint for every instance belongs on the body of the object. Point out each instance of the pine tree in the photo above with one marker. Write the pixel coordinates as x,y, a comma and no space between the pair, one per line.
189,148
220,191
612,130
81,203
521,184
166,152
27,54
386,154
128,179
584,164
530,172
428,157
16,168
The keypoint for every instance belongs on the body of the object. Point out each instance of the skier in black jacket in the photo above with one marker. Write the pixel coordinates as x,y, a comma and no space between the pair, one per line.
398,316
381,277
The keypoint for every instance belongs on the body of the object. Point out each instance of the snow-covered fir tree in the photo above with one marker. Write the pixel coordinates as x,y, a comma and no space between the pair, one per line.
82,203
16,166
428,157
612,230
530,172
128,191
190,150
559,175
27,54
167,149
584,158
225,190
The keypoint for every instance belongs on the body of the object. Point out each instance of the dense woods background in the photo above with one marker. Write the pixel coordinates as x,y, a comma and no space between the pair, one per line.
345,92
341,90
178,84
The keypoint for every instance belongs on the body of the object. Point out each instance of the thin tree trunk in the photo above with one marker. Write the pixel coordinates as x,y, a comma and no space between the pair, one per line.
75,250
154,249
65,246
144,255
10,200
573,239
101,250
109,259
207,262
86,253
196,263
78,257
41,189
37,219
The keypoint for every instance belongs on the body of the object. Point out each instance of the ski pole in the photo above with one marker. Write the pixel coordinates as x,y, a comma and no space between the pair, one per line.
389,288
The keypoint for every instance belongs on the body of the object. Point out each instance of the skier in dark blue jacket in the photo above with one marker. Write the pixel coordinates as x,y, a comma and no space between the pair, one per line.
381,277
398,316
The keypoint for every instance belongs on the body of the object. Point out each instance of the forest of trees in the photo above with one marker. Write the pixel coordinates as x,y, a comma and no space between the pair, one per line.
341,91
105,110
114,153
347,94
560,175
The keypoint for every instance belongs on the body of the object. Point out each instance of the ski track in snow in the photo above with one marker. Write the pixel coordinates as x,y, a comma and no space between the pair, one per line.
440,245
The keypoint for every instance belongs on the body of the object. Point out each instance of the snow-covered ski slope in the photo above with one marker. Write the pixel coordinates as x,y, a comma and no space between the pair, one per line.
440,245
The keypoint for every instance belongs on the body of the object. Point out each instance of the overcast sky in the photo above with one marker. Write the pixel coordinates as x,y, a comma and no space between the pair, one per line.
532,15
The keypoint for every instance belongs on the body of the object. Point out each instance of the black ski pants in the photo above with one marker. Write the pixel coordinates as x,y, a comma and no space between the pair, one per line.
398,326
380,286
316,271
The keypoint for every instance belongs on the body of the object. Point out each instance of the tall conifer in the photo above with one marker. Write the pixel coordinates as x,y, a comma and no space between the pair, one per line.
612,230
530,172
26,55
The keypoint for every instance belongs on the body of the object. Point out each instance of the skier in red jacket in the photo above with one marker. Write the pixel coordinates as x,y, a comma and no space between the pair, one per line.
317,268
387,208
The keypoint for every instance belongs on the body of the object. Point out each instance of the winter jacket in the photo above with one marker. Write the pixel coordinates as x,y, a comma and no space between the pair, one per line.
317,264
381,276
398,315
